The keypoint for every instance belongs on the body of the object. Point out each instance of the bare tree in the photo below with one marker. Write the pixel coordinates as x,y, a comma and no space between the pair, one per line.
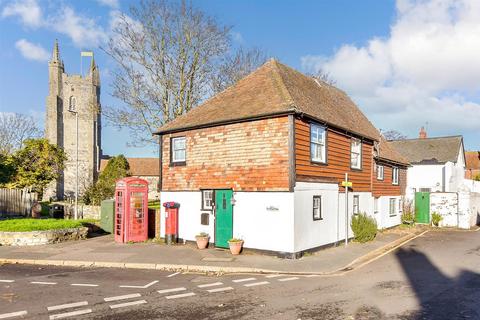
393,135
324,76
14,129
165,53
236,66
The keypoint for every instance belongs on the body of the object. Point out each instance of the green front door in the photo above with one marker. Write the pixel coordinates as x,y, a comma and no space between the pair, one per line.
422,207
223,217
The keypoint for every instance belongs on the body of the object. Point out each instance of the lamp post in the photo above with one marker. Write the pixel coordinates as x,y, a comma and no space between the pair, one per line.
72,110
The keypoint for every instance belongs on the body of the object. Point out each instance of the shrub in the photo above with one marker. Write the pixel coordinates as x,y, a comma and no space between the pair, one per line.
364,228
436,218
408,217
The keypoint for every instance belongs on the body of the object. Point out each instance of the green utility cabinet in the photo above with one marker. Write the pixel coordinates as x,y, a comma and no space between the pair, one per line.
106,215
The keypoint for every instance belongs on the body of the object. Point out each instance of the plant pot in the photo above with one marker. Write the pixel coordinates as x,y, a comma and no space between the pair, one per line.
202,242
235,247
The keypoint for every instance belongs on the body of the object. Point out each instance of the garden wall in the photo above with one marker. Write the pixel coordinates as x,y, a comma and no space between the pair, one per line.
34,238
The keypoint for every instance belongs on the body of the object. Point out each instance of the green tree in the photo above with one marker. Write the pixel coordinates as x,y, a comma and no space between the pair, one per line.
117,168
7,169
35,165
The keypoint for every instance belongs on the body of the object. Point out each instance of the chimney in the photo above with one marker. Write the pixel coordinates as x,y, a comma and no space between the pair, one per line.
422,134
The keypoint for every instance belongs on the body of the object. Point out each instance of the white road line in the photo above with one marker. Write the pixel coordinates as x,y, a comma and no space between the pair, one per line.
220,289
41,282
171,290
244,279
13,314
173,274
210,285
127,304
274,276
68,305
141,287
288,279
84,285
183,295
7,281
256,284
70,314
127,296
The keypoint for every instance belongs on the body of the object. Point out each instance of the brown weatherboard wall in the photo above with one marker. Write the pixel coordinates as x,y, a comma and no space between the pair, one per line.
338,159
385,187
247,156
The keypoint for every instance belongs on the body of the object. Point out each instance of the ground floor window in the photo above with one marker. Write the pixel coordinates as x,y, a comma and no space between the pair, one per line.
207,199
317,208
356,204
375,205
393,206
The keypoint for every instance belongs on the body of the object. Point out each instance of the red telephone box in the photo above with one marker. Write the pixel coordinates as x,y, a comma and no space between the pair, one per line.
171,221
131,210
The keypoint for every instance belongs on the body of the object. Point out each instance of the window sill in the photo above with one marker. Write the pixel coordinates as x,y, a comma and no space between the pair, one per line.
178,164
356,169
318,163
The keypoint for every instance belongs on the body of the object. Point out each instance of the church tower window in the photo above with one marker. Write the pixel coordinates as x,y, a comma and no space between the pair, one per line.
73,104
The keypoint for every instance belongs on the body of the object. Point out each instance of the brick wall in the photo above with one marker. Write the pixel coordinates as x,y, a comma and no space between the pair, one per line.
248,156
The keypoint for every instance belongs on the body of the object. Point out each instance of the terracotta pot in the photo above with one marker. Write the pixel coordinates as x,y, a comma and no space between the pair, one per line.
202,242
235,247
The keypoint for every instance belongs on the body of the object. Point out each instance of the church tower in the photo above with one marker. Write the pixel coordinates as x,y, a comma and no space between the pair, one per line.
69,97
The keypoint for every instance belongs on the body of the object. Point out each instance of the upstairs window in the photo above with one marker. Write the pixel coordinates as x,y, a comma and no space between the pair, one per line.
318,151
395,176
356,154
178,149
72,104
380,172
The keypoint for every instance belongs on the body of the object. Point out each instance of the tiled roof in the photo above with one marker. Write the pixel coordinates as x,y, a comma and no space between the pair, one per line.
138,166
388,152
272,89
472,159
429,150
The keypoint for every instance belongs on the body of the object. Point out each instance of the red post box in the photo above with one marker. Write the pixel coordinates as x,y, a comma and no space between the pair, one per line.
131,210
171,221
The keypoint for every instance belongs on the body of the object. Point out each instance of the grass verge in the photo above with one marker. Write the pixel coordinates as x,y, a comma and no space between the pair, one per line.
25,225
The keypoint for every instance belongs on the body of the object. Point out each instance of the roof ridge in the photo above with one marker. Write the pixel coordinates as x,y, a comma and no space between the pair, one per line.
444,137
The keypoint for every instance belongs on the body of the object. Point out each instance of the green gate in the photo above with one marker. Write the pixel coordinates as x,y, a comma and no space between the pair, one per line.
223,217
422,207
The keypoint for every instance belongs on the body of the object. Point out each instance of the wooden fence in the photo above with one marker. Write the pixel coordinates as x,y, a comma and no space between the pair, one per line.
14,202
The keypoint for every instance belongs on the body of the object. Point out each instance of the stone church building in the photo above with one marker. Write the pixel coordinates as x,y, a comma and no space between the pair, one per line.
71,96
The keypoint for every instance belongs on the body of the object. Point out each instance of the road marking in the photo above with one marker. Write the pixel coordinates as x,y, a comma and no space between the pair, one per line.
141,287
171,290
244,279
127,304
210,285
68,305
256,284
13,314
7,281
70,314
183,295
274,276
220,289
84,285
173,274
41,282
288,279
127,296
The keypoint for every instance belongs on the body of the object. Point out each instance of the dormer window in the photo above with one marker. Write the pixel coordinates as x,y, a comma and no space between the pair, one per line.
72,106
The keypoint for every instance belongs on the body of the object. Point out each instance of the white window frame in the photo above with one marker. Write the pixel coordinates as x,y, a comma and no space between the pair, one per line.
375,205
317,208
392,207
318,146
174,157
395,173
380,172
356,143
356,204
207,199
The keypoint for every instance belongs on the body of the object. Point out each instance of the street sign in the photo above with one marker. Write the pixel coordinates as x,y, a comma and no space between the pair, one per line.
347,184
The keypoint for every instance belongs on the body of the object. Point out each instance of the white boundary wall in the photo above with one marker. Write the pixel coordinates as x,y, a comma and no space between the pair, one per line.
460,209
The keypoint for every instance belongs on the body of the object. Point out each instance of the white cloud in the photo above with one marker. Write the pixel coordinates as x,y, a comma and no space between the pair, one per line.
27,10
109,3
32,51
425,70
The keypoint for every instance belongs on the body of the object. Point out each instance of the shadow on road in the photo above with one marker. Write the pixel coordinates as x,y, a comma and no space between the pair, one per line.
439,296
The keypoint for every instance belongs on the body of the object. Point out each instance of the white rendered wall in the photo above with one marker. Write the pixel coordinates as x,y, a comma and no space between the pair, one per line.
425,176
445,204
383,217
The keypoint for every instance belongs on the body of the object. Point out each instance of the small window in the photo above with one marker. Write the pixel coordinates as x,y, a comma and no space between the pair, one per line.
393,207
356,154
375,205
356,204
207,199
178,149
395,175
317,208
380,172
72,105
317,143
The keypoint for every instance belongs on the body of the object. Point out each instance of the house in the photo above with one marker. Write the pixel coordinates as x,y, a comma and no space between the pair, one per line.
264,161
472,160
437,164
145,168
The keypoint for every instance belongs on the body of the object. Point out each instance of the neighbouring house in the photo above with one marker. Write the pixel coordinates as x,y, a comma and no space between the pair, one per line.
437,164
472,160
264,161
145,168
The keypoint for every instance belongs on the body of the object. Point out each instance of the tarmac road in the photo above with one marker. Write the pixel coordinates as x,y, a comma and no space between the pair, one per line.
436,276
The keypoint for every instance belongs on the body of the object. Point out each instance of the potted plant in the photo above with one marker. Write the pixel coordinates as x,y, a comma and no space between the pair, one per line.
436,218
202,240
235,245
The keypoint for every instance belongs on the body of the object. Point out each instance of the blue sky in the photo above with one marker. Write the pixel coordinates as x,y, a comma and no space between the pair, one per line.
405,63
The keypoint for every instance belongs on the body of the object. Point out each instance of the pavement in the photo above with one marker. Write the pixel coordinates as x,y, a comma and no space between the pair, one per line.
103,251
